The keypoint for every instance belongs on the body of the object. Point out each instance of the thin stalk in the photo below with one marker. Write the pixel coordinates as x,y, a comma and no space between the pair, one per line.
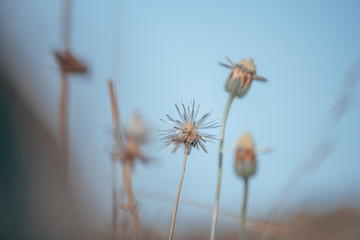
114,216
64,90
136,220
123,188
120,204
66,28
218,185
64,123
116,123
242,233
178,194
115,112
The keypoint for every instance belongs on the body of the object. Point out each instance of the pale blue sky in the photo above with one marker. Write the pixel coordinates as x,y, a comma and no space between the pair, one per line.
167,51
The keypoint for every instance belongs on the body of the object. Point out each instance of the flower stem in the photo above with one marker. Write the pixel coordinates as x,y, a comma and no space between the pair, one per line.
116,123
66,27
218,185
115,210
132,204
242,233
178,193
64,123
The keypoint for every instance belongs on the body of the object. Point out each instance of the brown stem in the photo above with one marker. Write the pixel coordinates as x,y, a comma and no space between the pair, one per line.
123,189
115,209
63,123
132,204
114,106
178,194
120,204
66,24
115,112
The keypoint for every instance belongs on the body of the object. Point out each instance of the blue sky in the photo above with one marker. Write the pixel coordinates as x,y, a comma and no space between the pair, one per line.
165,51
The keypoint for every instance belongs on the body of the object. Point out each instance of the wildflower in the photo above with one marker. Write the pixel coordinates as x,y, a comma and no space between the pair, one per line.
241,77
245,160
237,84
187,130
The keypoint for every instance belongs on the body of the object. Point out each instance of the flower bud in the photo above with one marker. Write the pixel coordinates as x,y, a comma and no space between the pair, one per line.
245,159
241,77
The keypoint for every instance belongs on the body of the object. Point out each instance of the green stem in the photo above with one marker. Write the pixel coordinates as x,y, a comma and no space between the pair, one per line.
242,234
218,185
178,193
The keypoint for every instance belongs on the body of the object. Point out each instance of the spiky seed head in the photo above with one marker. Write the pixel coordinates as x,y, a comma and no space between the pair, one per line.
187,131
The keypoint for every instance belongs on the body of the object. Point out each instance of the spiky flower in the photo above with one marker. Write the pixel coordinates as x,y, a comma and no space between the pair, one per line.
187,131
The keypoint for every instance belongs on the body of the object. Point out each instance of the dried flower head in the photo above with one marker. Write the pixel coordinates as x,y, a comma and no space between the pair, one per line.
137,130
187,130
241,77
245,160
69,64
136,135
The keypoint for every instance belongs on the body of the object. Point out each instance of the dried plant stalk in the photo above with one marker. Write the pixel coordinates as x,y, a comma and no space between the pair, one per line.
63,122
115,114
114,106
66,24
178,193
114,197
132,204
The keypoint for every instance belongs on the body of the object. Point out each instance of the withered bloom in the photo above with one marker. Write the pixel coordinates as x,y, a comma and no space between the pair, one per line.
187,130
241,76
245,160
136,135
69,64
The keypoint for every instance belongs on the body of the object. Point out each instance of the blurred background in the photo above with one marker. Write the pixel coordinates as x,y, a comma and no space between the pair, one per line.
159,53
